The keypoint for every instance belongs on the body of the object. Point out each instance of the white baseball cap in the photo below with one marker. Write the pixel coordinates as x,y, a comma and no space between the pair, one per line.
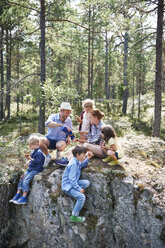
65,105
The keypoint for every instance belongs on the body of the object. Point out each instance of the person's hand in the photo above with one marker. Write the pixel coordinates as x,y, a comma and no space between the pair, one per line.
83,132
80,140
75,140
68,140
78,118
27,156
82,191
90,154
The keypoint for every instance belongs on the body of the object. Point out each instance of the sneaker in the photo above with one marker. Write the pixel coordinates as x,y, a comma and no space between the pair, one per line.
108,159
114,162
21,200
63,161
15,198
78,219
47,160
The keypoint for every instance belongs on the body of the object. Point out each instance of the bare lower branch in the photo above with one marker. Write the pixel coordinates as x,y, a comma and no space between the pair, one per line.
17,82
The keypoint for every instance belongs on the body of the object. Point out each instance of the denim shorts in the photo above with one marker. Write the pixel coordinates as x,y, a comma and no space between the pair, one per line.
116,154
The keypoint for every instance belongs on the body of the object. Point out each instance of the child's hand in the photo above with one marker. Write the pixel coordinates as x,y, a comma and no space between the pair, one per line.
82,191
27,156
90,154
78,118
83,132
68,140
80,140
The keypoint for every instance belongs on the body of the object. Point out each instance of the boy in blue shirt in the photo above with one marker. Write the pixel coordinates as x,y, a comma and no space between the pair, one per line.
35,166
71,185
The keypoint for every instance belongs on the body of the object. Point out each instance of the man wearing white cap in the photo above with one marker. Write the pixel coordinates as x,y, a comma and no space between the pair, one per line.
56,138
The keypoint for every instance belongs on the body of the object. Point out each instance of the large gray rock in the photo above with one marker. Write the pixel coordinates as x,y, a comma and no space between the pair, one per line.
119,212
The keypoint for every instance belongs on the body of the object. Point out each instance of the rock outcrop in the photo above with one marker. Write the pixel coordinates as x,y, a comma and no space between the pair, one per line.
119,213
124,208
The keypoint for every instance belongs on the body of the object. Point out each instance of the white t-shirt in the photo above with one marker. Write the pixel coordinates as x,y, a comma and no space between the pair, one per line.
86,122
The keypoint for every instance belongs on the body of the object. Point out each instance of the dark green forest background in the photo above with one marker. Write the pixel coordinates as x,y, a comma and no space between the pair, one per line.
110,51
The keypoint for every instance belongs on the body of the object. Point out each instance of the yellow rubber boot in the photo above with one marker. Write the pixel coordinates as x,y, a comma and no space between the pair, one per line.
108,159
114,162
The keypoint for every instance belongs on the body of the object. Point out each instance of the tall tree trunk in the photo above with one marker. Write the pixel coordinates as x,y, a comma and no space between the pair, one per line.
8,71
158,77
133,95
92,64
109,72
139,93
18,62
2,76
106,67
43,76
140,75
125,91
163,67
89,53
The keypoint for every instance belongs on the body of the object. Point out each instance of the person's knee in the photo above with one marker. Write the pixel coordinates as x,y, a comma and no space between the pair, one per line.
87,183
81,197
61,146
86,145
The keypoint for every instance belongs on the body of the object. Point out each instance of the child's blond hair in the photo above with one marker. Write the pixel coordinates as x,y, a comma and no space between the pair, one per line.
33,140
88,103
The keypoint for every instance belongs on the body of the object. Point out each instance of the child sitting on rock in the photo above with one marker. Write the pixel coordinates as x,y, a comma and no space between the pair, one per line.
111,148
72,185
35,166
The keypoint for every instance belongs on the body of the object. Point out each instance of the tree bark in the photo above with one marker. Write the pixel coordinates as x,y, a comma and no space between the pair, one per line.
8,71
18,65
43,74
92,59
2,76
106,67
89,53
158,76
125,91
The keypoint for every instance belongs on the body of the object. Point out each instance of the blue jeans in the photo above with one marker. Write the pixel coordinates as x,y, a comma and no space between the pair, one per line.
80,197
25,180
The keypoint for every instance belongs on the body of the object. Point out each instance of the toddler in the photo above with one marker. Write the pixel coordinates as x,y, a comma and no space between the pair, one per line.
35,166
84,119
111,147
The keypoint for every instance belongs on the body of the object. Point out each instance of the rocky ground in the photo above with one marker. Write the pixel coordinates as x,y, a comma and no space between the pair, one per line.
144,160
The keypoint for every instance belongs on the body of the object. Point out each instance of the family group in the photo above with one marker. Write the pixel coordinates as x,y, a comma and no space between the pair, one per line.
96,139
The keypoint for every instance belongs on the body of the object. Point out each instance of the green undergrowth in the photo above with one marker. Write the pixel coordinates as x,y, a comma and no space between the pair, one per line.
22,124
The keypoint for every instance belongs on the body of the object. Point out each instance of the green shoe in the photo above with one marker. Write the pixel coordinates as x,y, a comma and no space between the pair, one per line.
108,159
114,162
78,219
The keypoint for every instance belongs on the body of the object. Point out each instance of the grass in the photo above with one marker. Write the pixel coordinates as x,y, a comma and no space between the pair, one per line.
23,124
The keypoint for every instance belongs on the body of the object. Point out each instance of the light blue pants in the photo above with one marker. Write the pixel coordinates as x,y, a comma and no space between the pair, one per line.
80,197
25,180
